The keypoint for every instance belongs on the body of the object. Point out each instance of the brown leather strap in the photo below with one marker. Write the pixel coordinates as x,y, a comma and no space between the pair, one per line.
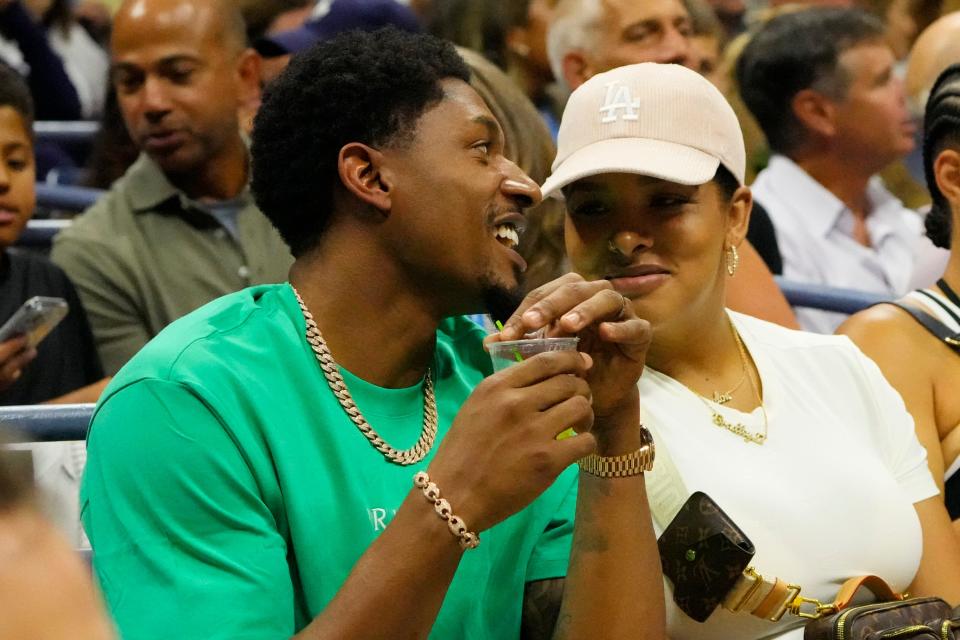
877,585
773,601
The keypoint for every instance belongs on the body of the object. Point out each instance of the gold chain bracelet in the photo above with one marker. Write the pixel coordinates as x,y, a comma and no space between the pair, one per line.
468,539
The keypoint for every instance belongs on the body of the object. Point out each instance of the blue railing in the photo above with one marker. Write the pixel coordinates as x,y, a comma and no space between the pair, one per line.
815,296
39,234
47,422
65,132
66,198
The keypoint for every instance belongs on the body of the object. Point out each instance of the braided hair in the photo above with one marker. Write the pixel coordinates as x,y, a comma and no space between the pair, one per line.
941,129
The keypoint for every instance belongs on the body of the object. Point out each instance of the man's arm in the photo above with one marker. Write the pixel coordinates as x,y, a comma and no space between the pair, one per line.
108,296
614,586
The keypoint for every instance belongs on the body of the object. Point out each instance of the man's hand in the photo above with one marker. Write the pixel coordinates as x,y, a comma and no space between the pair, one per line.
501,452
609,331
14,356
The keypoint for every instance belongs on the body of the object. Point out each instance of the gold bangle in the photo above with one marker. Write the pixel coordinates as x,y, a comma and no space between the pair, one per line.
630,464
467,539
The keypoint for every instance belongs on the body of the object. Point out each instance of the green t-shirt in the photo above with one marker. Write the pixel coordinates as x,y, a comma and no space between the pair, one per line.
227,495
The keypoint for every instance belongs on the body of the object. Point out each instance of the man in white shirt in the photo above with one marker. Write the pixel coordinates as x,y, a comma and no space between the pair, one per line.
821,84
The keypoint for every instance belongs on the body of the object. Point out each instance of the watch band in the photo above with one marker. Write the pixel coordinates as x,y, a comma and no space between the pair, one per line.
630,464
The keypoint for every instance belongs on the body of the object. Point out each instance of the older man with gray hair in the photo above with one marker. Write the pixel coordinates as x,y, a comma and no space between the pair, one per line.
591,36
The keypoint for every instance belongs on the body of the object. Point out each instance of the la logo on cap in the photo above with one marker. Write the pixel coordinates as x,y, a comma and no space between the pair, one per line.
619,98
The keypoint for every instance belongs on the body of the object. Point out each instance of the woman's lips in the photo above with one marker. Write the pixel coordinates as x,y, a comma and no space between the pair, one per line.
636,286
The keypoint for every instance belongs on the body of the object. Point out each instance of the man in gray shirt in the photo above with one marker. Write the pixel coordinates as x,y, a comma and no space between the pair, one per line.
180,227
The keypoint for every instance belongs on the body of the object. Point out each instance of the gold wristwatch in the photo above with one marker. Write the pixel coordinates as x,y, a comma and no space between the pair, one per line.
630,464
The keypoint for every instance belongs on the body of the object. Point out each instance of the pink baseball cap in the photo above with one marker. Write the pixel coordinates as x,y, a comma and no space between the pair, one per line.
659,120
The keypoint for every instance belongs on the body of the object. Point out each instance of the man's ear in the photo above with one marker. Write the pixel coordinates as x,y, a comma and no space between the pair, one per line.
738,220
248,78
361,172
815,112
946,171
576,69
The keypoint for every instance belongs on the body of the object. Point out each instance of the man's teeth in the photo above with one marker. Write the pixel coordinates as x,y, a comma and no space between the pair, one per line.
509,233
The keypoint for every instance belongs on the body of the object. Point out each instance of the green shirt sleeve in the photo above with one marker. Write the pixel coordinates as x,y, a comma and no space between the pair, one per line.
551,555
184,546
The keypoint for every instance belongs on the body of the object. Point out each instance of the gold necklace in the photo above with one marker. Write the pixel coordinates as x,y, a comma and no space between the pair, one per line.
739,428
724,398
337,384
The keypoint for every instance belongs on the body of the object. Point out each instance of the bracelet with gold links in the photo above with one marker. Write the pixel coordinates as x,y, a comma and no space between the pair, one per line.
468,539
630,464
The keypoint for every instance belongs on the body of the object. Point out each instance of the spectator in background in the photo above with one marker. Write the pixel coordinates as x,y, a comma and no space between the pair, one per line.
84,60
64,367
180,228
25,47
328,18
510,33
936,49
45,586
591,36
886,332
66,361
259,14
707,42
821,84
904,21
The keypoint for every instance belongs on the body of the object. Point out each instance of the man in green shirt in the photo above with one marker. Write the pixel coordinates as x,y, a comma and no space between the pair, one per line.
262,468
180,228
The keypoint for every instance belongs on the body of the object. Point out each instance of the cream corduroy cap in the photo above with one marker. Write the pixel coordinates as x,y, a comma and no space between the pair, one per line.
659,120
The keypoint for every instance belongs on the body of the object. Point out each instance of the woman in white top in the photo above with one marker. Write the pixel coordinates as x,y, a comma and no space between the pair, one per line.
924,368
796,436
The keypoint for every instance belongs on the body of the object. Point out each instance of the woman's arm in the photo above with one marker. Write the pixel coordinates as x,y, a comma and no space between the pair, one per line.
939,573
885,334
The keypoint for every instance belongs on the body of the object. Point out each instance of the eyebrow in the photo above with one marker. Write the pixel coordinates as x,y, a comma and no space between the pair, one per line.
163,62
492,126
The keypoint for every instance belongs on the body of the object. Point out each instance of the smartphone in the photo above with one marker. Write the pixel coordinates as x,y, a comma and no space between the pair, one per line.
35,319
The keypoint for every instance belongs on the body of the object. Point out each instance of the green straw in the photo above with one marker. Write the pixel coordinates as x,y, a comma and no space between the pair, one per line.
568,433
516,352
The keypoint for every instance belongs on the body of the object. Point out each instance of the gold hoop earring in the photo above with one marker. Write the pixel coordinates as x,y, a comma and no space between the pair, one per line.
733,260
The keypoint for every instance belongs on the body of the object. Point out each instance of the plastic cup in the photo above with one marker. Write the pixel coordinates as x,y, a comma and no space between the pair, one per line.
506,354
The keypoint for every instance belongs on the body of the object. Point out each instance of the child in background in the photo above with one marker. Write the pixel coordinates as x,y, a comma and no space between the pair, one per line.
64,367
66,361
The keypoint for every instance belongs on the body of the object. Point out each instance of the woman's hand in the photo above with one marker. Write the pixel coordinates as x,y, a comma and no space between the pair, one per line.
609,330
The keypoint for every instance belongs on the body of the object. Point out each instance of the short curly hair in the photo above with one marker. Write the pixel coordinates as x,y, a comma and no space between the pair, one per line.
368,87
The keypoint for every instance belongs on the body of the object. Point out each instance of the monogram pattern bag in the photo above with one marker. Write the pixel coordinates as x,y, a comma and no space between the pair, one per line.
893,617
703,553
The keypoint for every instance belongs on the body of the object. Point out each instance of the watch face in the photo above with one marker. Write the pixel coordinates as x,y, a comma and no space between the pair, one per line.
648,444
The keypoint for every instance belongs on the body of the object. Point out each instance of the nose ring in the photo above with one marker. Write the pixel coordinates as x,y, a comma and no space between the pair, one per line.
613,248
